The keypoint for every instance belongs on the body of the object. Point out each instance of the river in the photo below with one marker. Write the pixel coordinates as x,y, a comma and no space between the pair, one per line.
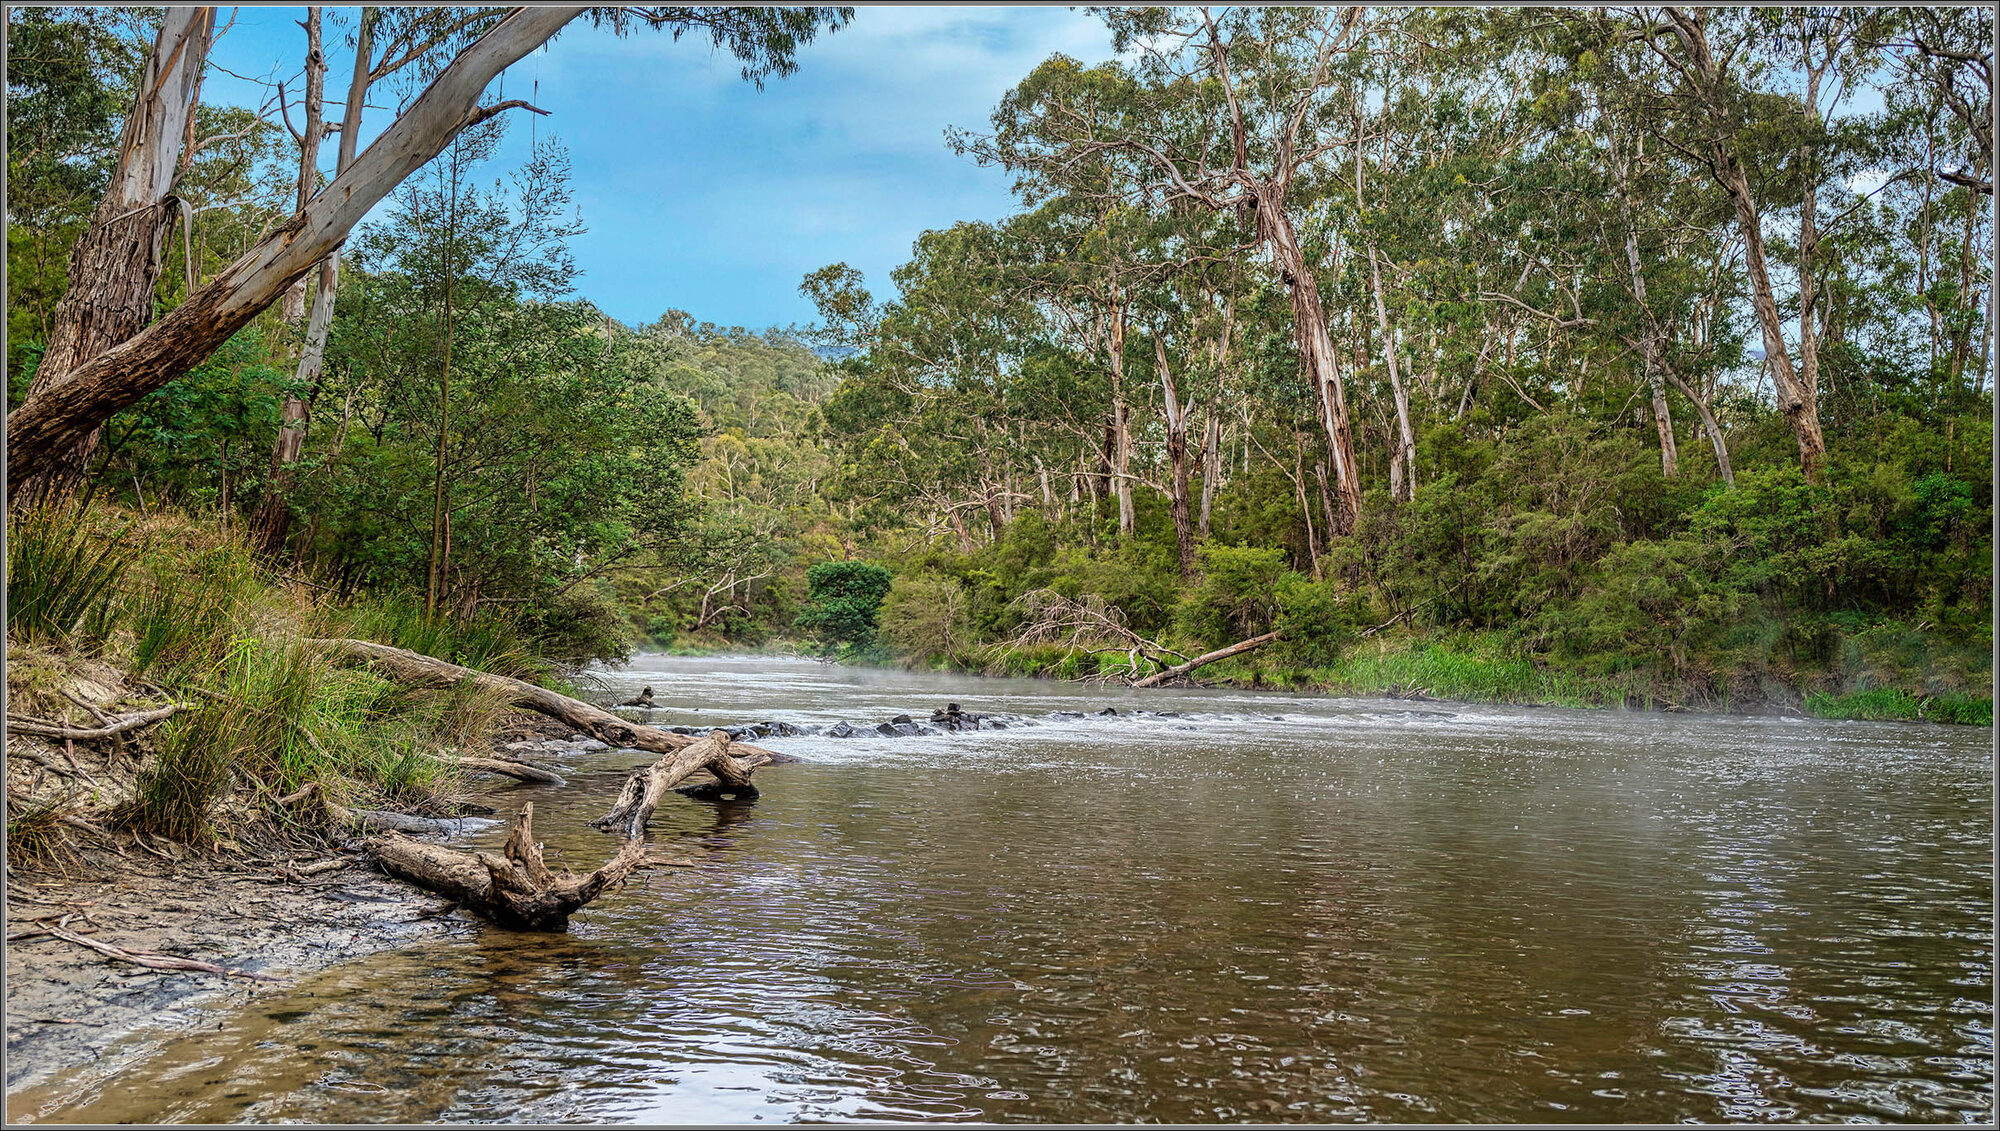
1269,909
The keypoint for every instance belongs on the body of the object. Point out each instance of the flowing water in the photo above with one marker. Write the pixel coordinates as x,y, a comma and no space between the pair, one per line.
1266,909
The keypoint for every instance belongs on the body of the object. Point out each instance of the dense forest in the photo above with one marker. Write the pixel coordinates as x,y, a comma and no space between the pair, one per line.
1597,356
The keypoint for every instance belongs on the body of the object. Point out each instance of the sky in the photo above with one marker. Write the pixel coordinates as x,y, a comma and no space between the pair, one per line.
704,194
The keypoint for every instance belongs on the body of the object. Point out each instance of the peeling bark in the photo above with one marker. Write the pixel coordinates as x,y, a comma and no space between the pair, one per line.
115,266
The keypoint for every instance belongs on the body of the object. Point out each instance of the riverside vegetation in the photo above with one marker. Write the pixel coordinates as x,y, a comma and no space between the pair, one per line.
1522,356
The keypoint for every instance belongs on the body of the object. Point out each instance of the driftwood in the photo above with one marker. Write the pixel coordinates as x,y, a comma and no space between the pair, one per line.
381,820
644,789
116,725
155,961
1180,670
416,668
513,887
519,771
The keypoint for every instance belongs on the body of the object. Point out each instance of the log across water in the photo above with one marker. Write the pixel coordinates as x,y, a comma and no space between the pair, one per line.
417,668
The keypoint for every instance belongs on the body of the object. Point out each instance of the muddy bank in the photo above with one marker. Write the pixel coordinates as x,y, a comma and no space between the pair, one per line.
67,1004
263,902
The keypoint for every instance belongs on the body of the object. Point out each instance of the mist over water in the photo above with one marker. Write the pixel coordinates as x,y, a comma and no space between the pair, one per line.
1266,909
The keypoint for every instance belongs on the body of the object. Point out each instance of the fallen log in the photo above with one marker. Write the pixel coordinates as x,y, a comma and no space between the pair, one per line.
519,771
513,887
1179,670
644,789
381,820
422,670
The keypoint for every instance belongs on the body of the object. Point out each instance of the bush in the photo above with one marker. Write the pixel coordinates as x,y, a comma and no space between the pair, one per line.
843,600
924,619
1315,622
1236,597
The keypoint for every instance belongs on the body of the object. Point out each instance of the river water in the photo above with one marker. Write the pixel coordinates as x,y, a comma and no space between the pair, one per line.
1269,909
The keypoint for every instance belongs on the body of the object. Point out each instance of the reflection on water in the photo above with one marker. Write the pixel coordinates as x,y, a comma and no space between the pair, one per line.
1354,911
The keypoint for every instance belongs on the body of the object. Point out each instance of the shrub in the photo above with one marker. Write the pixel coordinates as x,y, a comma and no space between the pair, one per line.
843,600
1315,622
924,619
1236,597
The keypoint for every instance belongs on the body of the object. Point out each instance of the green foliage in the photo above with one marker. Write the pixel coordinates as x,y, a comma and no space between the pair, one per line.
247,725
1895,704
62,573
1236,596
1316,622
924,619
842,602
186,618
489,643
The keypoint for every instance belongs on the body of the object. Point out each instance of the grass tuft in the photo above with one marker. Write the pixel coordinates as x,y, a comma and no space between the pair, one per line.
62,574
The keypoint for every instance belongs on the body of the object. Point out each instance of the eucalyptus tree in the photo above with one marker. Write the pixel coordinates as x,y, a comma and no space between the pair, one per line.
116,263
53,421
1222,112
408,39
69,77
1713,75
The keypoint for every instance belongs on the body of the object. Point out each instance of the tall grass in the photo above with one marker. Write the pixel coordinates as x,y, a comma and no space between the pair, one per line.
185,620
486,643
31,829
62,574
1895,704
248,728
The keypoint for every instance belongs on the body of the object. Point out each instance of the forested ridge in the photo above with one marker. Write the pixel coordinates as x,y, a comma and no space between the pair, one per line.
1592,356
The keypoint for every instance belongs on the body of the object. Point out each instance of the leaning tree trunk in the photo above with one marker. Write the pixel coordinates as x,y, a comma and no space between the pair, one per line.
1315,344
50,422
115,265
1798,399
1179,670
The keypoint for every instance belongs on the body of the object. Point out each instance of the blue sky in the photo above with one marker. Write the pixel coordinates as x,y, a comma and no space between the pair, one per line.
703,193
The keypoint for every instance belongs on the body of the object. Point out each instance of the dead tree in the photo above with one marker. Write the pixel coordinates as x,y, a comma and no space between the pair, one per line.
515,888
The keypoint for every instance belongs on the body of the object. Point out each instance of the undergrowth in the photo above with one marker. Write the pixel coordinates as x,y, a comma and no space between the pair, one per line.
184,608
